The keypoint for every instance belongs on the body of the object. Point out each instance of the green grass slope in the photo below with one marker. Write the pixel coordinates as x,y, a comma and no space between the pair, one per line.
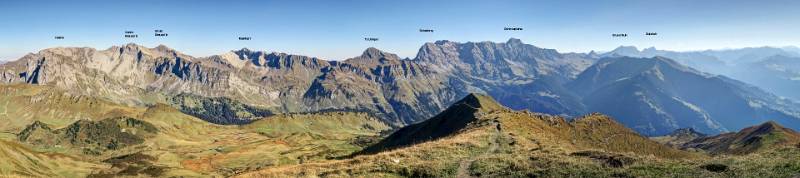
182,145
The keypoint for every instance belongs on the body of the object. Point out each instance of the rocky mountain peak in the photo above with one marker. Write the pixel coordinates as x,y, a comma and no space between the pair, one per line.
431,51
442,42
137,50
625,51
244,52
372,52
514,42
242,56
133,48
768,126
373,56
162,47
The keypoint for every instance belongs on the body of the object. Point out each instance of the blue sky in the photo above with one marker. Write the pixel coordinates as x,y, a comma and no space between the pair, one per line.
335,30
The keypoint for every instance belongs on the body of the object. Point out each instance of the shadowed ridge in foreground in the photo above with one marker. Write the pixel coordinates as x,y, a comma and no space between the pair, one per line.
448,122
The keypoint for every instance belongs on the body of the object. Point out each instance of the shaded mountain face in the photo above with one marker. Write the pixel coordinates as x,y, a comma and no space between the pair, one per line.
402,91
778,74
698,60
758,66
768,135
655,96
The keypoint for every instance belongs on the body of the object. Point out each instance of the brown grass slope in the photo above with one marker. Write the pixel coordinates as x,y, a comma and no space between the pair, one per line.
758,138
18,160
22,104
478,137
59,123
475,110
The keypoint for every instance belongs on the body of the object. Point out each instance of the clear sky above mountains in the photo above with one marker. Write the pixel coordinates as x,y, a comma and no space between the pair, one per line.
336,29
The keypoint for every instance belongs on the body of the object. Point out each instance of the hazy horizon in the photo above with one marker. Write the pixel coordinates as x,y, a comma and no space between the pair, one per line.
640,48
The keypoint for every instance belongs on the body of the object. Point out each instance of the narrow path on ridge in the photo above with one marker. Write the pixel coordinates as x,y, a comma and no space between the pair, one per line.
463,166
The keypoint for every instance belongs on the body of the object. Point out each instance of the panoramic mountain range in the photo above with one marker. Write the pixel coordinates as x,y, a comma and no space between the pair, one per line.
396,89
653,96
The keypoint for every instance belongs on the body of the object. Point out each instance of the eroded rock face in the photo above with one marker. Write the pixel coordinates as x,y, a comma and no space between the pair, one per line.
401,91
